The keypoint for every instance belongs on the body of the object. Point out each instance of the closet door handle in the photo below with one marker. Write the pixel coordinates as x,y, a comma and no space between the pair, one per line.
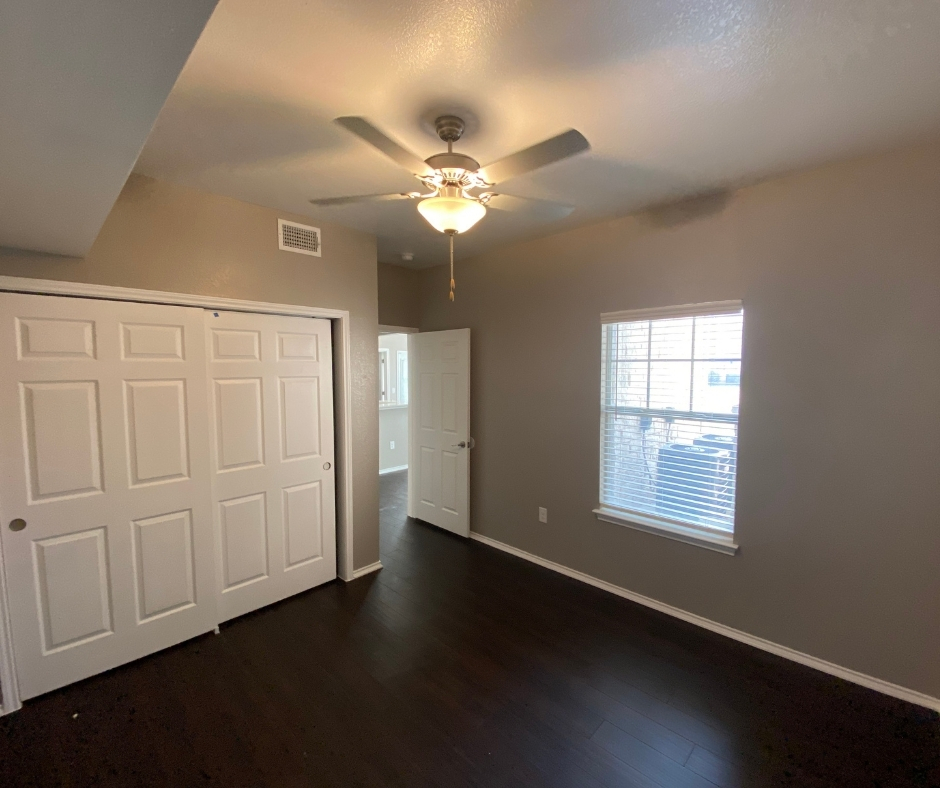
18,524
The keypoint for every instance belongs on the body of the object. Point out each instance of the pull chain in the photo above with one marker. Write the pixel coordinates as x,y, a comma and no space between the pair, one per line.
452,286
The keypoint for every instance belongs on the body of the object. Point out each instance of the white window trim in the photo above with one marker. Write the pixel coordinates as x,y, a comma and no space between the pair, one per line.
685,310
719,541
384,378
659,526
401,356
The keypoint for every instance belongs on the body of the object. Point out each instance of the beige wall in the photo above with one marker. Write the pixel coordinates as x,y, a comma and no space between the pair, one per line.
838,511
399,296
165,237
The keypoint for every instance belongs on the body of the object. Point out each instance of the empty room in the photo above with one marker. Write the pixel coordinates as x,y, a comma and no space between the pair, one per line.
473,393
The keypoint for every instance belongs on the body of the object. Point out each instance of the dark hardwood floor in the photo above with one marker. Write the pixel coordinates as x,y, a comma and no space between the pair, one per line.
458,665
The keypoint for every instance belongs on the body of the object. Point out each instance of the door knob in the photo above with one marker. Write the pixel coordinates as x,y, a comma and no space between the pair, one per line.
462,445
18,524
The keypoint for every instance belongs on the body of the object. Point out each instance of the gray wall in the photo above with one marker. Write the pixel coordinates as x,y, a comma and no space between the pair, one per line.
165,237
838,511
399,296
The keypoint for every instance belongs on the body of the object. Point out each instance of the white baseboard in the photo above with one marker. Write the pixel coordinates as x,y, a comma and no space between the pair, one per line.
879,685
357,573
393,470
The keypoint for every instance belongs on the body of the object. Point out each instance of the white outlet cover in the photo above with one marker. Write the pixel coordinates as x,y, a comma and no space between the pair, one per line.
391,444
543,514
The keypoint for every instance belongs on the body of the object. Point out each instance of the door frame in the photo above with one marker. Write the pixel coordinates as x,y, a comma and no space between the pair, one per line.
342,416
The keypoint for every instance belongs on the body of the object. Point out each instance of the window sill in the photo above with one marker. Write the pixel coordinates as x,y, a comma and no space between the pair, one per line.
392,406
681,533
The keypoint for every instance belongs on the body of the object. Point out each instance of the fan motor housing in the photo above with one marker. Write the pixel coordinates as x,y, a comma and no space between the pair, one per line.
449,128
452,161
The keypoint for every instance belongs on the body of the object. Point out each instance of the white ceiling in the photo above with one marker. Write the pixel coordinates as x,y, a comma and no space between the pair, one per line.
676,97
81,84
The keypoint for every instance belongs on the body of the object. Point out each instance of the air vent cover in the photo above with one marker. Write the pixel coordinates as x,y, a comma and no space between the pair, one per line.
293,237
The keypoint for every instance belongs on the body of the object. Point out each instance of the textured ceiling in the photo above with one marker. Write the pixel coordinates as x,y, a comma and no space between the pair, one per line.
676,97
81,84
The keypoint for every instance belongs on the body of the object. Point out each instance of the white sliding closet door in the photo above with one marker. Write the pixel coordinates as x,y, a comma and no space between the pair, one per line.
104,483
273,463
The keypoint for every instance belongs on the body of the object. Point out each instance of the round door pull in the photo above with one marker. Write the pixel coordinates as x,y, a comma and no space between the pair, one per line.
326,466
18,524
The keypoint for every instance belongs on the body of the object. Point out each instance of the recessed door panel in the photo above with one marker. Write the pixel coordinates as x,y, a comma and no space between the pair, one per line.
291,346
144,342
234,345
450,349
426,402
449,468
156,431
55,338
303,521
60,421
164,569
240,426
428,353
300,418
74,600
427,459
449,403
244,540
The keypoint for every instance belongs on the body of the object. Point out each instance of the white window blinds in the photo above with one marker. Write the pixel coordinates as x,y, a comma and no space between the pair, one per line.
669,414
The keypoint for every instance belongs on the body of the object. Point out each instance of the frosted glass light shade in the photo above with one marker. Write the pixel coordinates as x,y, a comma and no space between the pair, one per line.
451,214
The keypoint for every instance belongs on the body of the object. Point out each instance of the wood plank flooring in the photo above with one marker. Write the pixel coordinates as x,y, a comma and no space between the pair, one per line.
458,665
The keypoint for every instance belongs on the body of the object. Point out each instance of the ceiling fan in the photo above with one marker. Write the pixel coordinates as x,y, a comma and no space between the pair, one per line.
459,189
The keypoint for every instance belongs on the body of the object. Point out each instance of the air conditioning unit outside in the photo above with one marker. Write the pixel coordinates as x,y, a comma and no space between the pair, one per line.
695,483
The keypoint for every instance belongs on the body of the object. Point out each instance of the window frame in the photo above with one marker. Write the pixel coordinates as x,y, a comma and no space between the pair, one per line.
384,378
401,357
703,536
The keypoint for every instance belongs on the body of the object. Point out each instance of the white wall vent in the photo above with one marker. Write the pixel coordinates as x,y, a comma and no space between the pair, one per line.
293,237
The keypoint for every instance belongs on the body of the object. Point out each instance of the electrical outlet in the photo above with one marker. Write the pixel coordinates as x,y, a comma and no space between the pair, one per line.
543,514
391,444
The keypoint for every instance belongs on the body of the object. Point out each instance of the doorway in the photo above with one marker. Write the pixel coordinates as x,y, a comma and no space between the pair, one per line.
393,403
394,434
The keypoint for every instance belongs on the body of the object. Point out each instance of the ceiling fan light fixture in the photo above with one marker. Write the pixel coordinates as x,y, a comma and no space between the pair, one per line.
452,177
451,213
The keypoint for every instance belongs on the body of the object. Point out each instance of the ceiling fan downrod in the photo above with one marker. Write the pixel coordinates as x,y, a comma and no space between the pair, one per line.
451,234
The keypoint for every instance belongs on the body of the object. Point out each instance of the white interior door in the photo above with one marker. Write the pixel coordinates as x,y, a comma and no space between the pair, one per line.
439,417
272,456
104,483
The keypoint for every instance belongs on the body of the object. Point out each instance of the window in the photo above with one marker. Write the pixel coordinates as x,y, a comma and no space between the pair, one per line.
384,395
669,421
402,377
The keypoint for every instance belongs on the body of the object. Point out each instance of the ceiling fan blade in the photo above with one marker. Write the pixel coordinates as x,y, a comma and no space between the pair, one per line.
543,209
369,133
570,143
326,201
